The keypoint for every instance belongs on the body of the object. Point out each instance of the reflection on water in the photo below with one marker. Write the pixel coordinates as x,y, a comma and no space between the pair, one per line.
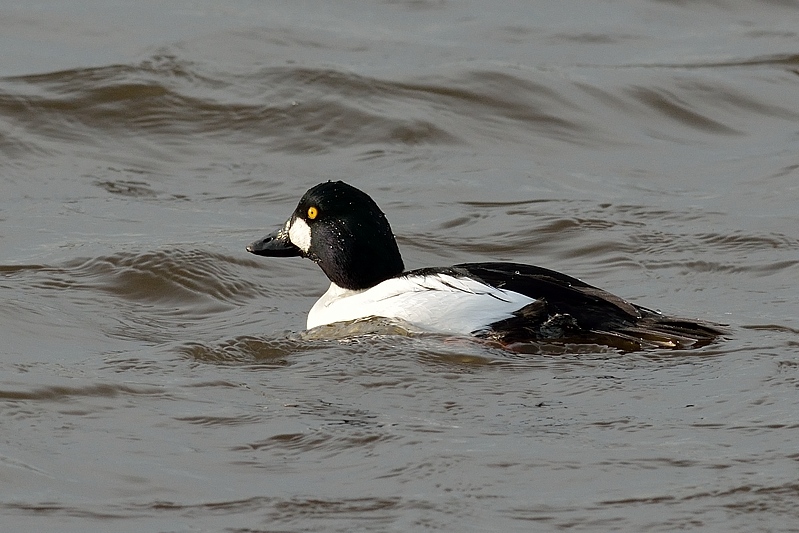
156,376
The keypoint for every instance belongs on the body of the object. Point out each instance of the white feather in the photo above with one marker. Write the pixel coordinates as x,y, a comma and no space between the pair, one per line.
300,234
436,303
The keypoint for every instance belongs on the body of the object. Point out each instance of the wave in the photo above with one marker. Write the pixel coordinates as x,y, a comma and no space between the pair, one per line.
302,109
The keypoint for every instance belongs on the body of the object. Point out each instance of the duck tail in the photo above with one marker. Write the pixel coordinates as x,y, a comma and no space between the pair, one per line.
654,330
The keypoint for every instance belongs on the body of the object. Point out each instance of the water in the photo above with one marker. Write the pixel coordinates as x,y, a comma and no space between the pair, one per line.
155,377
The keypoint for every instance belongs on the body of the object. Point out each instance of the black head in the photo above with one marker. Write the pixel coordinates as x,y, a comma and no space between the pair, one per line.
340,228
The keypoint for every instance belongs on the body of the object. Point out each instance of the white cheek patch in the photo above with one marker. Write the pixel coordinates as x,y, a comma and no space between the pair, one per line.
300,235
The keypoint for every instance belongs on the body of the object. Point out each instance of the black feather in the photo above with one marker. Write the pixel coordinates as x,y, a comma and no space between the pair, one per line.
569,310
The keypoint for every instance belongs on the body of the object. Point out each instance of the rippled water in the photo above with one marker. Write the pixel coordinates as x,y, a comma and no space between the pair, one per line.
155,376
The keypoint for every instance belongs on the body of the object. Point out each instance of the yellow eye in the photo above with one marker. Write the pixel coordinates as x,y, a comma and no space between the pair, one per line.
312,212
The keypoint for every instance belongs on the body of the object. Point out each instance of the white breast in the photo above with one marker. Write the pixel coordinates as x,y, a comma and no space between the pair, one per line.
437,303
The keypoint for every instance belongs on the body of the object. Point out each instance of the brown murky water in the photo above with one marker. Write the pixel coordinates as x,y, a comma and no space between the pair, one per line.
154,376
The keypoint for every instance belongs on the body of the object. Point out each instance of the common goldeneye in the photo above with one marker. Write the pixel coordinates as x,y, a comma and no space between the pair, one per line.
343,230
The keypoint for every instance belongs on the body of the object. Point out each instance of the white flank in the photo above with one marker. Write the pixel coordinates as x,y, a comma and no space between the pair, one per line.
300,235
437,303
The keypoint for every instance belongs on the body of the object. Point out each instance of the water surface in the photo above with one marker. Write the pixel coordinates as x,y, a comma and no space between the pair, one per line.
155,376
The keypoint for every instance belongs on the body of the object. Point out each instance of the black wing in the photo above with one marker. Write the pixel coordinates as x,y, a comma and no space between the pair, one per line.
567,309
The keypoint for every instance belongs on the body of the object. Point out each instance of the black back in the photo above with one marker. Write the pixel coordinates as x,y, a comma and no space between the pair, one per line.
569,310
589,305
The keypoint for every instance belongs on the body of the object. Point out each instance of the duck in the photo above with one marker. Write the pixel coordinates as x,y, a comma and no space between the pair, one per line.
342,229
